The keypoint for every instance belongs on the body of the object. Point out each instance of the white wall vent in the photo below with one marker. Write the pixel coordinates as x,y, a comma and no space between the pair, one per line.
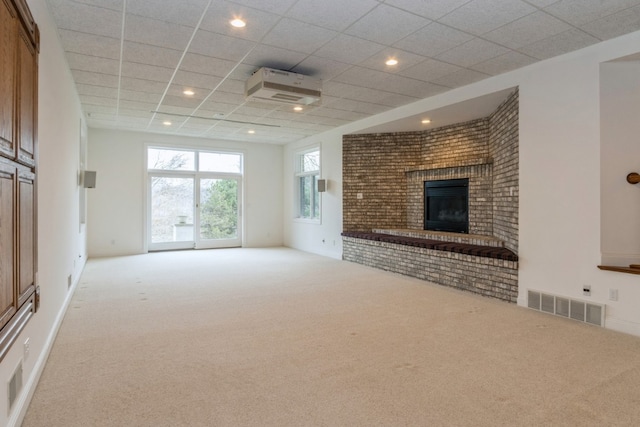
566,307
14,386
282,87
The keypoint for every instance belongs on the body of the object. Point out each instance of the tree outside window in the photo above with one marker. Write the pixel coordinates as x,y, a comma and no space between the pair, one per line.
307,175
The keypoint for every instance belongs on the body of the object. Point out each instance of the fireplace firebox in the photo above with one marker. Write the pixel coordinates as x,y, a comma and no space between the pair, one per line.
446,205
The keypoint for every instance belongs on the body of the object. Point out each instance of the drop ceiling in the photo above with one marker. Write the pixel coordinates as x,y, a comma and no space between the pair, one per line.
132,59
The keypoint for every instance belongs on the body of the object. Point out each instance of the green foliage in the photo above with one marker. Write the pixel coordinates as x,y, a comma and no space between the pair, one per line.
219,208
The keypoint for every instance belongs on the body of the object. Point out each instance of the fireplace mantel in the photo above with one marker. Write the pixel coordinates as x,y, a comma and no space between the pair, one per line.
479,162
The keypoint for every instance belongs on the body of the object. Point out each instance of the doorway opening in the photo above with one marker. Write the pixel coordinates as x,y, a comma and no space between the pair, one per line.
194,199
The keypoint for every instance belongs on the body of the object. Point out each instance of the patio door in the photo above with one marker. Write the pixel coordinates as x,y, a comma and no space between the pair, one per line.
189,204
218,212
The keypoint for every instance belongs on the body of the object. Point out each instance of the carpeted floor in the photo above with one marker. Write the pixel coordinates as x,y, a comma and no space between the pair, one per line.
277,337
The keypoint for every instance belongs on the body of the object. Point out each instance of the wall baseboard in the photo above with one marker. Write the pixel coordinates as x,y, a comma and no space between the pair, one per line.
22,405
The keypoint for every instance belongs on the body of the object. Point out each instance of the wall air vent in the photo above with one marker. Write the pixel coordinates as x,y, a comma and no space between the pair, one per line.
282,87
14,386
566,307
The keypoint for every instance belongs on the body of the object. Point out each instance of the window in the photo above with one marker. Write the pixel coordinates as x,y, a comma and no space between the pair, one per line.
194,198
307,175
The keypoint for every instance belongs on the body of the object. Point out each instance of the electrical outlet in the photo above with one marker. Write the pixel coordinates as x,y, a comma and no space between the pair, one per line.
586,290
613,294
27,348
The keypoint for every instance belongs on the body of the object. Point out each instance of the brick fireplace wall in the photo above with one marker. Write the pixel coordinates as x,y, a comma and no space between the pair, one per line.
504,150
383,188
388,171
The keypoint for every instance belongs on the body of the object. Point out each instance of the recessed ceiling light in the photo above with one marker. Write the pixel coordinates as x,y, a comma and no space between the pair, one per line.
251,131
238,23
188,92
426,121
391,61
297,108
166,123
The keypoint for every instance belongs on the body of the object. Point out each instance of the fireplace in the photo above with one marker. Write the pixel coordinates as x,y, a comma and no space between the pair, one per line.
446,205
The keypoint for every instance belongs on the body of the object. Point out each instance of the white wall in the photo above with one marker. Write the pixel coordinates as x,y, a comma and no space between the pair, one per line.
117,206
323,238
620,154
559,178
60,241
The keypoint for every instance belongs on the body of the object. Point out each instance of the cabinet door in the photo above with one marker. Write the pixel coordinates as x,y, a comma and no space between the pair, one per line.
8,43
8,300
27,105
26,236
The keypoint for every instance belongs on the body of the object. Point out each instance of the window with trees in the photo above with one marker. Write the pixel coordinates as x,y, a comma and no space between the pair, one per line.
307,175
194,198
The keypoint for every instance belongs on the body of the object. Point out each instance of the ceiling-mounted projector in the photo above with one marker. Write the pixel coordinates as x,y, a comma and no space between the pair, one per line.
283,87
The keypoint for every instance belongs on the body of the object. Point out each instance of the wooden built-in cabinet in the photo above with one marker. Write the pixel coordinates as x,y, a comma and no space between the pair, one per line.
19,44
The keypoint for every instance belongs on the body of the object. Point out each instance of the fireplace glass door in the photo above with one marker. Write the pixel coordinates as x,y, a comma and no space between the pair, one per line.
446,205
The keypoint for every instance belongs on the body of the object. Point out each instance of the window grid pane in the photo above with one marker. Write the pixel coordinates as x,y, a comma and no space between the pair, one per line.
220,162
176,160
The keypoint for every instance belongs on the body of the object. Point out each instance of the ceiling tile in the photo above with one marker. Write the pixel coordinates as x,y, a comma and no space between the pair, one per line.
220,13
102,91
275,6
578,12
87,18
430,70
481,16
93,63
273,57
472,52
405,60
98,109
362,107
432,9
433,39
363,77
321,13
137,105
396,100
183,12
94,79
179,101
225,98
348,49
321,68
206,65
527,30
152,55
542,3
615,25
98,100
132,95
305,36
90,44
232,86
337,89
172,111
156,33
116,5
202,84
137,113
503,63
558,44
220,46
299,36
146,72
460,78
386,25
129,83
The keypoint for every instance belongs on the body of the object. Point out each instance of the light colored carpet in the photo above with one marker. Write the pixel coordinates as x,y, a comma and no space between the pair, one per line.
277,337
